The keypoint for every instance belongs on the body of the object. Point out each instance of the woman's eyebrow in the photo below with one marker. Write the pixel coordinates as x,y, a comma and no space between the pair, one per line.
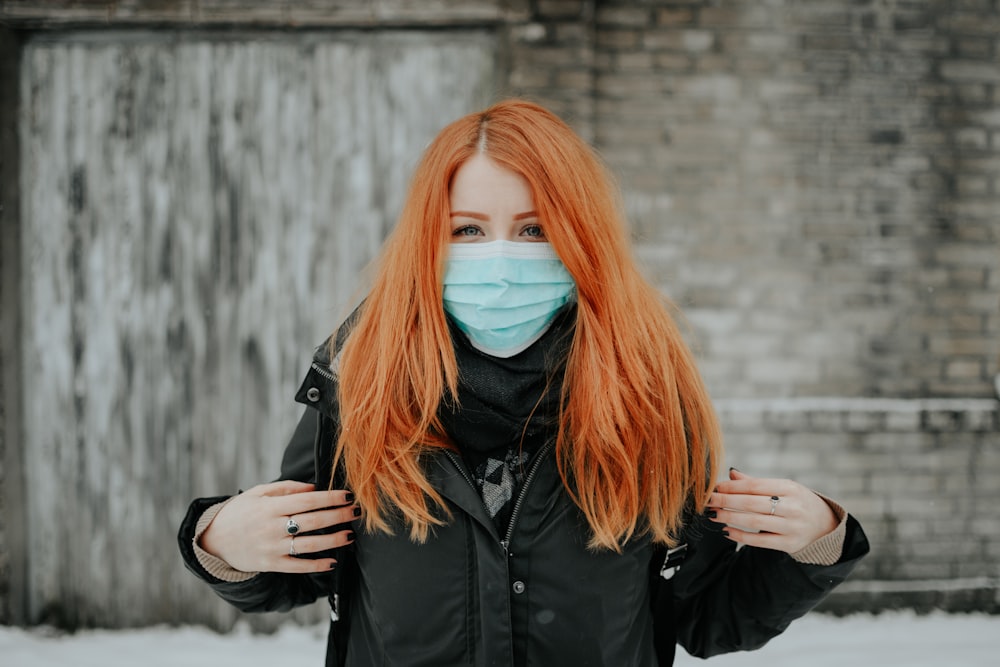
470,214
485,218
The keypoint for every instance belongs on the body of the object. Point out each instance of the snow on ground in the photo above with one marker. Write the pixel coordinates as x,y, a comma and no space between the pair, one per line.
885,640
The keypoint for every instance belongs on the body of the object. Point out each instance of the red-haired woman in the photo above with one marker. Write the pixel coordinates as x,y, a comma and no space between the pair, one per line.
510,457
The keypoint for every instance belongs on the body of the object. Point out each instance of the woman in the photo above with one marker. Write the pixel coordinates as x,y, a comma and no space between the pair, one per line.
520,453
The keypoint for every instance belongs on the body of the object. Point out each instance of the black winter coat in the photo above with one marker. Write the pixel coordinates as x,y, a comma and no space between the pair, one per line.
535,596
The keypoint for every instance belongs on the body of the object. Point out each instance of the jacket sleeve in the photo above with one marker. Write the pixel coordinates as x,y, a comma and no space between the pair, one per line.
727,599
267,591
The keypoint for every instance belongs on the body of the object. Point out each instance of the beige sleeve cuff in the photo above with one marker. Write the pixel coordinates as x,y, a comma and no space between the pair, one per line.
827,549
214,565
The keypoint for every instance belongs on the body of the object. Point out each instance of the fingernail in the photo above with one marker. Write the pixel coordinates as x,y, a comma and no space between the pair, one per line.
731,469
726,533
357,512
350,536
711,514
349,497
333,564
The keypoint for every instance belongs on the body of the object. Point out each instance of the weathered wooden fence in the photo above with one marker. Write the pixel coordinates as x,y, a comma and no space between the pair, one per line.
196,211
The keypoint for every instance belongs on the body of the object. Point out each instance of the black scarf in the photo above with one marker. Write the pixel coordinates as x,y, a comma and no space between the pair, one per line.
507,409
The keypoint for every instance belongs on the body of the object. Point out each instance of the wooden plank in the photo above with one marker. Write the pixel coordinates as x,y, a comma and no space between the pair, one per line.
196,214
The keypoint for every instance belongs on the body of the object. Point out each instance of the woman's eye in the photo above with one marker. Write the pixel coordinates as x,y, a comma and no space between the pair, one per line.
466,230
534,231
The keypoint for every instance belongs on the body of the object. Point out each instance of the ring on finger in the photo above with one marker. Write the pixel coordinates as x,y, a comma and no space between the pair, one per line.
774,503
291,548
291,526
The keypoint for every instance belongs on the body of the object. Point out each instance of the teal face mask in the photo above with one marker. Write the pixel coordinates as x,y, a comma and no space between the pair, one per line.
505,294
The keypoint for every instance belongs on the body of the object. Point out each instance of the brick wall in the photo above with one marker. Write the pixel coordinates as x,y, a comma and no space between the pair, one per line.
816,184
550,58
922,476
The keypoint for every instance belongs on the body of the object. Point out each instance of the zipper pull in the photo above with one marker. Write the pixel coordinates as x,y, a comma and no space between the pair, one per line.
505,545
673,561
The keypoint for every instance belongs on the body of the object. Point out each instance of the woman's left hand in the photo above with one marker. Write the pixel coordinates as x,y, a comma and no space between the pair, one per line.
771,513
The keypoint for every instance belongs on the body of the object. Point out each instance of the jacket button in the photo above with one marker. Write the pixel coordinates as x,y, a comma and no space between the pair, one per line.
518,587
312,394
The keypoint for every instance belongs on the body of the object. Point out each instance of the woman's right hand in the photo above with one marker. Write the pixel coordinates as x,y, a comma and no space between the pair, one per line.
250,531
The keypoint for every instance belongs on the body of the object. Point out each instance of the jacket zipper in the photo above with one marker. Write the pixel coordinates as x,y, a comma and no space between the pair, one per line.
461,469
322,371
505,542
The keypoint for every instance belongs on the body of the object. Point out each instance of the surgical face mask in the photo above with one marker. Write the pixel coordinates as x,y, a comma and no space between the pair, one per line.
505,294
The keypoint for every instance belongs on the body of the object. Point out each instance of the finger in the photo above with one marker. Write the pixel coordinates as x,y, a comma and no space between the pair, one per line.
310,544
743,502
734,475
766,505
292,565
284,487
319,519
756,486
733,501
751,521
762,540
312,500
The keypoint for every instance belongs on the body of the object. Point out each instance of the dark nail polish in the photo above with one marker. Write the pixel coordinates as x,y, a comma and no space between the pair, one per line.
350,536
732,469
711,514
726,533
349,497
357,512
333,564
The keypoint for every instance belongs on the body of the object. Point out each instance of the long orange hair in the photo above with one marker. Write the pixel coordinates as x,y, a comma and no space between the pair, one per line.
638,438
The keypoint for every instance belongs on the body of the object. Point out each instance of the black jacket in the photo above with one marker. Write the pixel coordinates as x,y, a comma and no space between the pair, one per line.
536,596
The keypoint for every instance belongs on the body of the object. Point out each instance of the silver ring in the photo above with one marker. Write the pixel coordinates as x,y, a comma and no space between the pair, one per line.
291,527
291,548
774,503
